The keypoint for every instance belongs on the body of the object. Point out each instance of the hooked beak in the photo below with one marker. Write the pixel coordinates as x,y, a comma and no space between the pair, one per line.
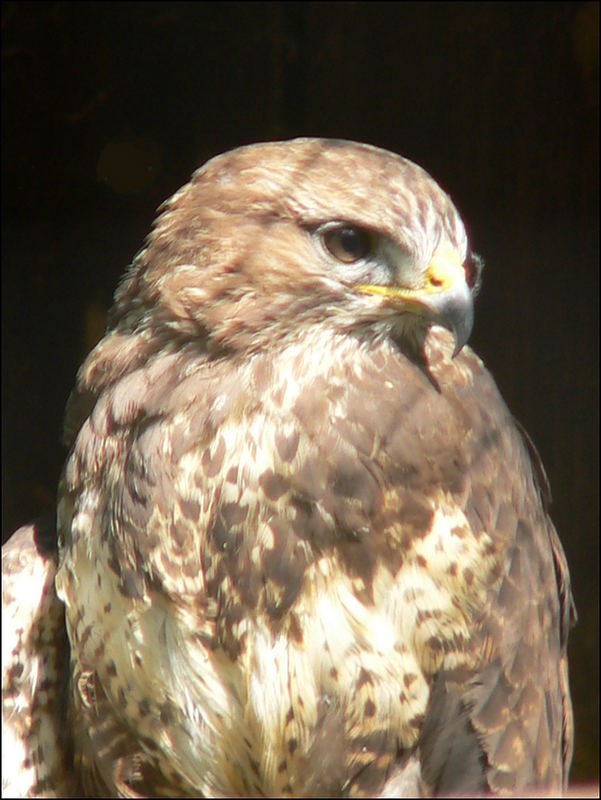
444,298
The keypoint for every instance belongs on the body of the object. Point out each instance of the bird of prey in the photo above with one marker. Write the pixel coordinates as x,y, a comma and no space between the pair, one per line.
303,548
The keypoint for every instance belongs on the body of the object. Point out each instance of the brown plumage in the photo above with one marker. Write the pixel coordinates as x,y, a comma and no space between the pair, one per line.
303,548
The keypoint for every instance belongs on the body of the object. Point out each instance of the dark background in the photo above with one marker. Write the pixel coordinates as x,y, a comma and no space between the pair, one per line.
108,108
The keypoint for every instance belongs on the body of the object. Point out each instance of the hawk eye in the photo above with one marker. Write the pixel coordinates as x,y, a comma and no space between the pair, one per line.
347,243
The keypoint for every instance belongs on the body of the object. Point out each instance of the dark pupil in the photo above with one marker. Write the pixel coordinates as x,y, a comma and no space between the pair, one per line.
353,242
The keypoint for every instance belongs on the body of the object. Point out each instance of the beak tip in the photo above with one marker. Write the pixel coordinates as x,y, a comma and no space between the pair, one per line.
461,328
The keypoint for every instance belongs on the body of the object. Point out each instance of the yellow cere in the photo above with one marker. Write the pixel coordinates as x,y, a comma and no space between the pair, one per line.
443,271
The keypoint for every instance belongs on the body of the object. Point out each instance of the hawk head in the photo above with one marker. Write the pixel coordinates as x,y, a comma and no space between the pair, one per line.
272,237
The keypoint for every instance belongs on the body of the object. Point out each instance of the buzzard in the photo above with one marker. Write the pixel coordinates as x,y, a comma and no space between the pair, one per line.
303,548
